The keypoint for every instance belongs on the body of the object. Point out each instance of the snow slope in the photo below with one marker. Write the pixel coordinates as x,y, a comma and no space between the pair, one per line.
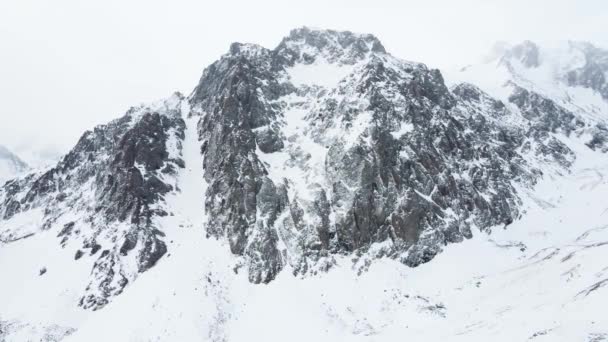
174,300
543,279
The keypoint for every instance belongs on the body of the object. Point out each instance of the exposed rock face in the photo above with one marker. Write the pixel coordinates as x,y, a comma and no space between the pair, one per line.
324,146
546,118
599,138
106,193
386,156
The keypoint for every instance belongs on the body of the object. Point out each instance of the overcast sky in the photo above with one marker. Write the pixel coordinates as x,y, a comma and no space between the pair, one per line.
67,65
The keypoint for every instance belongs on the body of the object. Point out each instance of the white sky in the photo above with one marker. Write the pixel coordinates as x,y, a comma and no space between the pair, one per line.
68,65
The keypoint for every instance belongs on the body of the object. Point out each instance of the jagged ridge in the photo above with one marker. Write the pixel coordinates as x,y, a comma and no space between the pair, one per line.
326,145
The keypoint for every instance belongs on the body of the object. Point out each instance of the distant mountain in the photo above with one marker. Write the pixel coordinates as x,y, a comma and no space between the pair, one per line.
571,64
39,157
571,75
10,165
325,190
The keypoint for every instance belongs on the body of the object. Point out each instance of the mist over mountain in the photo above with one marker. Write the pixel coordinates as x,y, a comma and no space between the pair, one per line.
10,165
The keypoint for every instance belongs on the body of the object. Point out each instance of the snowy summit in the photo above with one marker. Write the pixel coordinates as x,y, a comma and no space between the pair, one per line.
326,190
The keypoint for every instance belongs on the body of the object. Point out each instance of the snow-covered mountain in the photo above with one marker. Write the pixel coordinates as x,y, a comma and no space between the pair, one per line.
325,190
573,75
10,165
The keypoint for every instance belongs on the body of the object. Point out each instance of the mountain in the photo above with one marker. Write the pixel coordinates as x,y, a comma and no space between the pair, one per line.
323,190
573,75
10,165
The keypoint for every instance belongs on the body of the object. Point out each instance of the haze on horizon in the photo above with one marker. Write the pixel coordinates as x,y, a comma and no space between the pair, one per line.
68,65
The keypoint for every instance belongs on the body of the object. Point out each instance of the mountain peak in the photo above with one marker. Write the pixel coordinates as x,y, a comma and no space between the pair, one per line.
323,37
343,47
247,49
